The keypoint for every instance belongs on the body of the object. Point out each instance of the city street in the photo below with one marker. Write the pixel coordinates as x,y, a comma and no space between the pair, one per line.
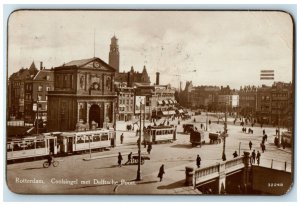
78,174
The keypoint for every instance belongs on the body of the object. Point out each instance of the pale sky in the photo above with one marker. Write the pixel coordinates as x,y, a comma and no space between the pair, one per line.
225,48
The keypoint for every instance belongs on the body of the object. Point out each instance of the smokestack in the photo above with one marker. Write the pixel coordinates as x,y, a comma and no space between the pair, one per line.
157,78
128,79
41,65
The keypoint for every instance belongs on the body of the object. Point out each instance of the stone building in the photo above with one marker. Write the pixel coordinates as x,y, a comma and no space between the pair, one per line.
84,96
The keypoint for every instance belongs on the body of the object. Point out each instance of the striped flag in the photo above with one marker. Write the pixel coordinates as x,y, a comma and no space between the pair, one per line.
266,74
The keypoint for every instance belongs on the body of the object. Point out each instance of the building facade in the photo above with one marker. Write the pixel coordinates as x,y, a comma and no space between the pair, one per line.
84,96
16,90
36,95
282,104
125,102
247,100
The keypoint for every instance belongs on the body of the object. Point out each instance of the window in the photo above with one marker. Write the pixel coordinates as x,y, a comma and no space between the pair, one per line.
40,144
96,138
104,137
48,88
80,140
48,77
39,97
40,88
46,98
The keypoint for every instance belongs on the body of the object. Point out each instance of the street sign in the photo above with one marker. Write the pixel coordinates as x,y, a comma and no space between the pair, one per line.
34,107
139,104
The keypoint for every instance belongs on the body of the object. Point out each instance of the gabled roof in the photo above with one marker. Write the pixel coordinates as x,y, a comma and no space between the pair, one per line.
79,63
42,75
83,62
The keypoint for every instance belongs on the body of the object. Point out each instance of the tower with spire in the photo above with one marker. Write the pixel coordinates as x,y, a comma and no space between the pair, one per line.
114,56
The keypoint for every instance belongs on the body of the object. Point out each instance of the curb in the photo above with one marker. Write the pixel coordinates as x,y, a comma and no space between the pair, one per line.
112,155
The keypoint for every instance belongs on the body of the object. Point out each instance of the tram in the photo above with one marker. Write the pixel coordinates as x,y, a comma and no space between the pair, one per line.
31,146
74,142
159,134
62,143
287,138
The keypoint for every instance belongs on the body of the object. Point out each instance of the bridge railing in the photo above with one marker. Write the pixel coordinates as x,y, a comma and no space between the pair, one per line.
234,162
200,175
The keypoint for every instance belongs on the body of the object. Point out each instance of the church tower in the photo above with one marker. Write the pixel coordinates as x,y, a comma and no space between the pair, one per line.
114,57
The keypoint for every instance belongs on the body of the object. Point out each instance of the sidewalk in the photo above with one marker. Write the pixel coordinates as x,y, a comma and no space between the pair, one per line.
173,183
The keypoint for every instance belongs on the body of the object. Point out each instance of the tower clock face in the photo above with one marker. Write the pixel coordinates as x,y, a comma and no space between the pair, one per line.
96,64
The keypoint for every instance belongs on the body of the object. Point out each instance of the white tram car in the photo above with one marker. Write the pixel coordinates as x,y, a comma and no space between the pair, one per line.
62,143
157,134
71,142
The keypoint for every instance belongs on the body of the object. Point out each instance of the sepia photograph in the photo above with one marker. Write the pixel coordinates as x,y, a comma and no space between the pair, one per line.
150,102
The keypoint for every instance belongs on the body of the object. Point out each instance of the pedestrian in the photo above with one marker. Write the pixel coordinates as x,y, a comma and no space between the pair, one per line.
253,157
120,158
161,172
264,132
263,147
129,158
258,157
250,145
201,125
209,122
149,148
122,138
198,161
235,154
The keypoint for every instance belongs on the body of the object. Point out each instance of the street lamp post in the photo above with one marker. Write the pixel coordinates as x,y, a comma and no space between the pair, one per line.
224,134
138,176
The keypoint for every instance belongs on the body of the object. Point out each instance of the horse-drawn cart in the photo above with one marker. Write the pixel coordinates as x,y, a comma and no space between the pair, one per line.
135,159
214,138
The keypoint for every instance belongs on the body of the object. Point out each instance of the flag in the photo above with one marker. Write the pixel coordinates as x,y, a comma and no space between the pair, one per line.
266,74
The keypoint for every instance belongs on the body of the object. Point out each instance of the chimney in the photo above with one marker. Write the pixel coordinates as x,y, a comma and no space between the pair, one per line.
129,79
41,65
157,78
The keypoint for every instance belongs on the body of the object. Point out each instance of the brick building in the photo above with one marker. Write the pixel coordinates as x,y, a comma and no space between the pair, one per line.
16,91
36,95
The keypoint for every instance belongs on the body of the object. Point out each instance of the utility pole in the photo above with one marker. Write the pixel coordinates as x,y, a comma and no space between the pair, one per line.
37,114
224,134
138,176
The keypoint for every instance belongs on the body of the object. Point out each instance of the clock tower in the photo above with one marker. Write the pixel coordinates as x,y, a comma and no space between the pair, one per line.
114,57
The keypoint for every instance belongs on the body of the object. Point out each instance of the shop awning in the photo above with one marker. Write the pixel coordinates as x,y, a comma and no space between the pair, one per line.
166,102
165,113
180,111
171,112
160,102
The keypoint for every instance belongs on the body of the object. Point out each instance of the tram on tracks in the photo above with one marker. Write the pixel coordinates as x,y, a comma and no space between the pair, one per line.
159,134
30,147
62,143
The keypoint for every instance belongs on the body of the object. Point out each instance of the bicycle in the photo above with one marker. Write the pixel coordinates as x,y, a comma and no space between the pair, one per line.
55,163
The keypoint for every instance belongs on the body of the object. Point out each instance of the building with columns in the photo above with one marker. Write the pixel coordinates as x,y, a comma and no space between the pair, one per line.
84,96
